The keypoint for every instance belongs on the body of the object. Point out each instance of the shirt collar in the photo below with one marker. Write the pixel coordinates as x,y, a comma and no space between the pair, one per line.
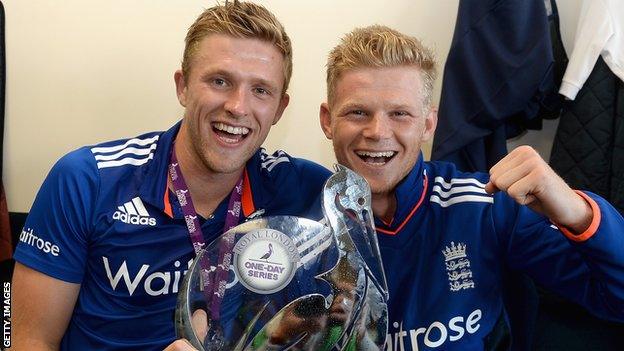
409,194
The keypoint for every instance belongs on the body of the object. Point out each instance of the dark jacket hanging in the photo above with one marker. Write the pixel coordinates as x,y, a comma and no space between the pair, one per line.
588,150
499,68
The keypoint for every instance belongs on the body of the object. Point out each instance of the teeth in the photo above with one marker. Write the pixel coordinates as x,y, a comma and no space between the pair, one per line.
232,130
376,154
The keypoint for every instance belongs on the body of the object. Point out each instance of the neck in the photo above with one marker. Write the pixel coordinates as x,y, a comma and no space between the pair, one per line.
384,206
206,186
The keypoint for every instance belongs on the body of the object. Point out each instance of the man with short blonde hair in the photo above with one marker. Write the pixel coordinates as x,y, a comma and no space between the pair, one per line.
446,236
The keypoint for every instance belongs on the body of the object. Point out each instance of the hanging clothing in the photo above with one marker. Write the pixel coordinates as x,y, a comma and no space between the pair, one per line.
588,150
6,246
600,32
499,69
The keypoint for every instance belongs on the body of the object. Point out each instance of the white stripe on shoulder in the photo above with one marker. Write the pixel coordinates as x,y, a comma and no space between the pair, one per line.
135,141
270,164
458,189
125,161
264,156
454,181
129,150
460,199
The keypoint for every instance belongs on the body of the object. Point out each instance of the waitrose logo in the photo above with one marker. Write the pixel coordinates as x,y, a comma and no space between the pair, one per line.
29,238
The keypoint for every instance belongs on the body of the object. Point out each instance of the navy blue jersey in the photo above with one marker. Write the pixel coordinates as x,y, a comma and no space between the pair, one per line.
445,250
105,219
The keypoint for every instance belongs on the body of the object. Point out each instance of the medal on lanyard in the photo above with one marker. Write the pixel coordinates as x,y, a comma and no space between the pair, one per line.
213,277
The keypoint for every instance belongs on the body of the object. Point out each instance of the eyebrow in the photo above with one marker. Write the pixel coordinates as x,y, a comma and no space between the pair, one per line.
221,72
401,107
352,106
255,80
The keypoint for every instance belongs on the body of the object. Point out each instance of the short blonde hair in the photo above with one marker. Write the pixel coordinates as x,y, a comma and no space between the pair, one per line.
239,20
380,46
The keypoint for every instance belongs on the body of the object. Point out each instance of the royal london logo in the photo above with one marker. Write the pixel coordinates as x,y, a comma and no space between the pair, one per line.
134,212
458,267
265,260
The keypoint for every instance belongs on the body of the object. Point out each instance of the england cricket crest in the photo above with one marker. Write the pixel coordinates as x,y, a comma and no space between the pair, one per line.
457,267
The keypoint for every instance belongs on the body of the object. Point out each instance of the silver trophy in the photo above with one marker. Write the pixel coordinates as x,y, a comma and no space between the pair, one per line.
290,283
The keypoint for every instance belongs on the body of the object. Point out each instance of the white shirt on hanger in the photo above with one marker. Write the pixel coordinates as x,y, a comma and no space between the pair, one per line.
600,31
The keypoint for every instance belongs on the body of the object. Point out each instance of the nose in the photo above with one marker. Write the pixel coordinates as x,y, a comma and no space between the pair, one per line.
237,104
377,128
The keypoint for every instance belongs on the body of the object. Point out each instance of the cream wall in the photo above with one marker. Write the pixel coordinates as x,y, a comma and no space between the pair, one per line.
80,72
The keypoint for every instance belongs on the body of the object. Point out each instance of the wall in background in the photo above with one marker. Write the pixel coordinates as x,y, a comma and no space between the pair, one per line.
81,72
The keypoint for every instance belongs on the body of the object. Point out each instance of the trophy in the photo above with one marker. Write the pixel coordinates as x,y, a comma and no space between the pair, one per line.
290,283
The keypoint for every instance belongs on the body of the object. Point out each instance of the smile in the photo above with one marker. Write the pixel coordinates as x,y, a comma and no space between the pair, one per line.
229,134
377,158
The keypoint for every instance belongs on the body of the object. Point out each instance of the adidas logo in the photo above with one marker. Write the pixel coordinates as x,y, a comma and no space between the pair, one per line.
133,212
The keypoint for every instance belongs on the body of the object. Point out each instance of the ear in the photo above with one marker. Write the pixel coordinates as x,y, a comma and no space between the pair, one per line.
325,119
180,84
431,122
284,100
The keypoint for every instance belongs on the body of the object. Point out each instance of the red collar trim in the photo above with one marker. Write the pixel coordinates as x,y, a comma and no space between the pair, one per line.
166,201
420,201
246,197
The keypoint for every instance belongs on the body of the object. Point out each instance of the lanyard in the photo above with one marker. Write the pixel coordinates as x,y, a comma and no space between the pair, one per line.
208,284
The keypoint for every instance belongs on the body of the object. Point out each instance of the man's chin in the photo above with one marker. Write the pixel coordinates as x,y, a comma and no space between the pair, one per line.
230,169
221,167
227,162
380,187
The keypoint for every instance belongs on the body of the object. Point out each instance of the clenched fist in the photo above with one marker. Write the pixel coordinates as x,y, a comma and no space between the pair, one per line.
529,180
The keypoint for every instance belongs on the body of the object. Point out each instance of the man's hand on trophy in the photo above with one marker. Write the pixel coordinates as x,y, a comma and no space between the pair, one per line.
200,326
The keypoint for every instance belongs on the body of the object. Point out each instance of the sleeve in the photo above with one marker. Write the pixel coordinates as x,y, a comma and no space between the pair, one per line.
589,271
594,30
55,237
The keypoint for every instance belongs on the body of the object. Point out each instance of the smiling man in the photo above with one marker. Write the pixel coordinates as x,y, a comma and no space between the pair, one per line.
445,236
113,228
